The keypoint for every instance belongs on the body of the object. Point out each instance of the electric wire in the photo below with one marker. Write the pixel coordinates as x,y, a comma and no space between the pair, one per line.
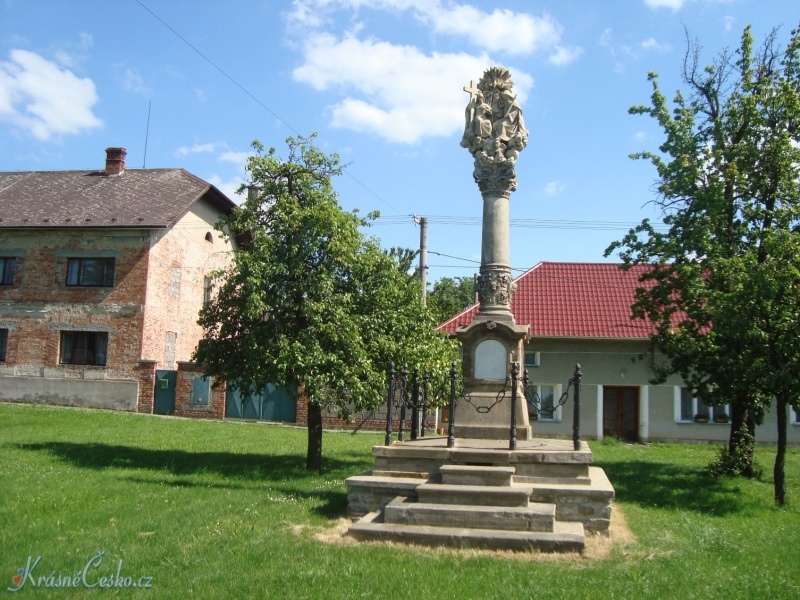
254,97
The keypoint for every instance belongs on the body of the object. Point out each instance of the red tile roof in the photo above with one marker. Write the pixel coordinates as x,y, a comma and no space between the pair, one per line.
584,300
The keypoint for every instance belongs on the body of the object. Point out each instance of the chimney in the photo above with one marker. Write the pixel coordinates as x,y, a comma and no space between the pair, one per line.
115,161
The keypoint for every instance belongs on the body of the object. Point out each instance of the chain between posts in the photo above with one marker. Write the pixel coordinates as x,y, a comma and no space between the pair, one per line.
534,400
398,398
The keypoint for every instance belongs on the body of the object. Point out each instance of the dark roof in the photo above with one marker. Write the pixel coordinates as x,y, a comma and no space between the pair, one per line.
582,300
142,198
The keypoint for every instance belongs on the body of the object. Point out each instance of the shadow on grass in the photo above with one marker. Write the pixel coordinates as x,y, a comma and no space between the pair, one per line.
286,473
665,485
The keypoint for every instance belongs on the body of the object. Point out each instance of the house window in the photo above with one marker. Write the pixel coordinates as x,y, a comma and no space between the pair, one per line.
692,409
84,348
90,272
175,282
169,349
532,359
208,289
7,270
796,416
3,344
547,403
209,237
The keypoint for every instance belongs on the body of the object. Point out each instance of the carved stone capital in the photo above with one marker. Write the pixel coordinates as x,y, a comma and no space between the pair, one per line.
495,179
495,285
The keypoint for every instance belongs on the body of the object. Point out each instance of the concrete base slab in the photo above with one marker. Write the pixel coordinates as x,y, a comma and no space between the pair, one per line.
554,471
566,537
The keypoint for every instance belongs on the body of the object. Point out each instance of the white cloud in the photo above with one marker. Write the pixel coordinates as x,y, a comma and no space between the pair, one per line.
675,5
640,136
607,38
554,188
238,158
564,56
39,97
382,97
651,44
221,150
132,81
196,149
727,22
501,31
229,187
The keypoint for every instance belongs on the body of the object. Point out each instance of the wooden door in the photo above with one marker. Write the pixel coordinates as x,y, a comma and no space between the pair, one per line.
621,412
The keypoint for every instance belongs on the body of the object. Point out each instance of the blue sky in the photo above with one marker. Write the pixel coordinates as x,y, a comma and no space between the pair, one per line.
381,82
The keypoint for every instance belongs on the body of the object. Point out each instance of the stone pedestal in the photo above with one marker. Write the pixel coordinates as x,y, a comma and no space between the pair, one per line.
488,348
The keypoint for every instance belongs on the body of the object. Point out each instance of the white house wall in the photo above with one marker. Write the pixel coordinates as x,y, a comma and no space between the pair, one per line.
606,363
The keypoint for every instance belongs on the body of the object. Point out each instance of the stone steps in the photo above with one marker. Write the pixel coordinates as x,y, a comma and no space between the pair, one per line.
476,475
565,537
474,495
534,517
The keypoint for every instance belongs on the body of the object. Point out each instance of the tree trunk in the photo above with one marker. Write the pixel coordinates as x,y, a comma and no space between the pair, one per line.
740,444
314,455
778,473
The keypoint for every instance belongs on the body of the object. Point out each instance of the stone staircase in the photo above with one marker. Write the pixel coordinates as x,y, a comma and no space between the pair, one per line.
475,506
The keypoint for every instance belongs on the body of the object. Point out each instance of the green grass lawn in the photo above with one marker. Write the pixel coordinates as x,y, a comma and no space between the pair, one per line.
227,510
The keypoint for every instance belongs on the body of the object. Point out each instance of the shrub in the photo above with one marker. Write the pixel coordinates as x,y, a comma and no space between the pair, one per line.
737,461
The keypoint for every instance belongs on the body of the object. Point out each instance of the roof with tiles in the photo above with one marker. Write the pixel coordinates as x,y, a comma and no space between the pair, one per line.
582,300
142,198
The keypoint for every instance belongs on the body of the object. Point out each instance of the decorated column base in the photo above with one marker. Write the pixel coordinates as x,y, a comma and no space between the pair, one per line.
488,349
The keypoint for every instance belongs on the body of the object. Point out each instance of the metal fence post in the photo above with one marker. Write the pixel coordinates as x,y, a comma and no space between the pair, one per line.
389,399
425,376
415,403
512,440
401,434
576,417
451,430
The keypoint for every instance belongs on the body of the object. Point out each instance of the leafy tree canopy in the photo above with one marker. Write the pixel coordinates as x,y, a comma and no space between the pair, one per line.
451,295
722,293
310,301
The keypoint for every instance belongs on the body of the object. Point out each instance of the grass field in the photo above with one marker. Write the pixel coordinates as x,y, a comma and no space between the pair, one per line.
227,510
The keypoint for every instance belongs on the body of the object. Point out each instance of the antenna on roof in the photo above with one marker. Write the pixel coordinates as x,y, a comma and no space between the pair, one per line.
147,134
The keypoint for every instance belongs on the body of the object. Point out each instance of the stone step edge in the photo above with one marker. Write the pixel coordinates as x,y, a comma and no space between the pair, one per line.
485,495
540,516
476,475
567,536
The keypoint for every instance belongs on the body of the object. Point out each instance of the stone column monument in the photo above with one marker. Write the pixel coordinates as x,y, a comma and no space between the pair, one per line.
495,134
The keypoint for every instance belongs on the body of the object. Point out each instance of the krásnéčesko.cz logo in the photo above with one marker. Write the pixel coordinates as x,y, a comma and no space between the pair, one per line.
90,576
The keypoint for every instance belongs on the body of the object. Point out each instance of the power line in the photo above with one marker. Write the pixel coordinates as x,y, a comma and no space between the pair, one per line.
253,96
522,223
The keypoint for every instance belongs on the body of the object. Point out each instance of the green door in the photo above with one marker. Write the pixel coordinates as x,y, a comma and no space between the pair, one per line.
164,397
271,404
276,405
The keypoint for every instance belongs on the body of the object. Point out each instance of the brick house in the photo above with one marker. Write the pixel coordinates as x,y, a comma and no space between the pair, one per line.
580,313
102,275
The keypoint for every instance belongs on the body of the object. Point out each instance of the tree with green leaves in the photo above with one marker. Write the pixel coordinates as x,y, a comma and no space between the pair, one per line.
310,302
450,296
723,290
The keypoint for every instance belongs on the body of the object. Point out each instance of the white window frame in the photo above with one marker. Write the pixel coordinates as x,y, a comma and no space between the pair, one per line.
695,402
556,418
796,420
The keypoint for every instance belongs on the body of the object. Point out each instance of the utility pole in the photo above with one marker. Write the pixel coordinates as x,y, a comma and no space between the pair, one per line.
423,253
